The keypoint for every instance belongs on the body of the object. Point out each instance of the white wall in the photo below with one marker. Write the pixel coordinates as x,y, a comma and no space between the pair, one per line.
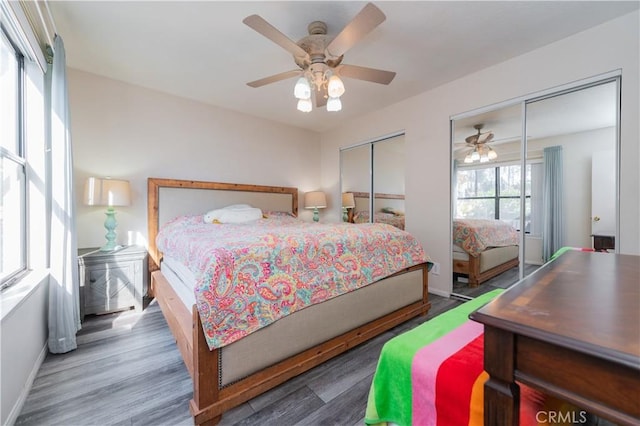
578,150
126,131
425,119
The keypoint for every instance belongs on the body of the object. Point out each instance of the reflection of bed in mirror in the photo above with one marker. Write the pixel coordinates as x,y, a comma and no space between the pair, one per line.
388,208
483,248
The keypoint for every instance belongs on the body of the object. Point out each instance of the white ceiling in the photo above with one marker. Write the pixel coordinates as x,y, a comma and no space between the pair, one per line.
578,111
202,51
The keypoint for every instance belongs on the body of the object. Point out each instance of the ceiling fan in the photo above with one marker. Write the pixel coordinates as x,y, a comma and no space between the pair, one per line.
480,151
319,58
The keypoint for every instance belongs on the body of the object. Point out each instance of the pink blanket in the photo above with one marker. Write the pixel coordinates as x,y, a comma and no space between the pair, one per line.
477,235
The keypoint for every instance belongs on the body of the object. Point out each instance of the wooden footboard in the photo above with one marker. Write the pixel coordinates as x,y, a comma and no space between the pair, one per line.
210,401
471,268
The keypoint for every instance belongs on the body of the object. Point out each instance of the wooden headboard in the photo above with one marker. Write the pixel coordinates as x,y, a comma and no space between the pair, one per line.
395,201
169,198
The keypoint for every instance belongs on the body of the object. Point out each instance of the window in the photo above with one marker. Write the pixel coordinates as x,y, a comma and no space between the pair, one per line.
494,193
13,165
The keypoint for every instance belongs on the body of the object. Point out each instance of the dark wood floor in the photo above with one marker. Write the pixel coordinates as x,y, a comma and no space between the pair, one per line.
127,371
504,280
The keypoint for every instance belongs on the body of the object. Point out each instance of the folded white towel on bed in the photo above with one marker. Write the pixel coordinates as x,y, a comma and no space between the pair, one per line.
233,214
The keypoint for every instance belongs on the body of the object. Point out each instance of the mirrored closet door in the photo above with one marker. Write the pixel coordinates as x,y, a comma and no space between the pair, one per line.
372,181
553,188
486,181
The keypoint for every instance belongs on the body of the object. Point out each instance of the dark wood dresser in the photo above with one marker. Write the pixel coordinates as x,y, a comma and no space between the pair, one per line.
572,330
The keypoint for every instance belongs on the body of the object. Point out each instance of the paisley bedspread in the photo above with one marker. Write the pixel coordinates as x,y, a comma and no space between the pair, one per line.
382,217
477,235
249,275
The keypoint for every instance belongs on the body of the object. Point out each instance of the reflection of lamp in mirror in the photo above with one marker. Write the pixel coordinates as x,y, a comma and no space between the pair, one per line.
315,200
110,193
348,202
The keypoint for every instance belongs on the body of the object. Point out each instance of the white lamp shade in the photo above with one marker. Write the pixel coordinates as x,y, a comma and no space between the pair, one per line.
347,200
302,90
305,105
335,88
106,192
492,154
315,200
334,104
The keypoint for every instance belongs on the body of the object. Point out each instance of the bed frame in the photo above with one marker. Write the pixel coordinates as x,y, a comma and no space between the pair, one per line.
211,398
472,268
379,200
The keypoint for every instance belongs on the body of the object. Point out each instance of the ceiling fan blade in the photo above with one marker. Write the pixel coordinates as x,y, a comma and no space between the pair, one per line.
274,78
321,97
472,139
361,25
272,33
368,74
486,137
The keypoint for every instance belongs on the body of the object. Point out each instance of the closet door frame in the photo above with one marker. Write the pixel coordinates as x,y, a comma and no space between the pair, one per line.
370,143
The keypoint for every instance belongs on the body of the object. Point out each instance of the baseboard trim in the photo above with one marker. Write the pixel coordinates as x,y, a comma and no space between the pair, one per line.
438,292
17,407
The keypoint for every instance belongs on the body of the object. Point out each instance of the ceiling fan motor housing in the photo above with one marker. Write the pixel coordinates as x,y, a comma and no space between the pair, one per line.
315,44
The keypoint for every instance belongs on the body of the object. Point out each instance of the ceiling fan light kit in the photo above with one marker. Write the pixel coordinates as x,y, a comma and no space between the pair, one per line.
302,89
319,58
334,104
480,150
305,105
335,88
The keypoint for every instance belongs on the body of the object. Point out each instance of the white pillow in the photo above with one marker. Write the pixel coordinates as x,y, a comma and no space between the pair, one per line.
234,215
237,207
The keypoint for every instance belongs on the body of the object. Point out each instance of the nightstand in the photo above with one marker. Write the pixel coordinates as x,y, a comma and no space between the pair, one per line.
112,281
604,242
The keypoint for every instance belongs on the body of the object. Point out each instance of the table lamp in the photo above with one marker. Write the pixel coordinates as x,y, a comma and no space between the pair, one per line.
111,193
315,200
348,202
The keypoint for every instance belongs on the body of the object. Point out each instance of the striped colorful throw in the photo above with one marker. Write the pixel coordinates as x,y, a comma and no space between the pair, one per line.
433,375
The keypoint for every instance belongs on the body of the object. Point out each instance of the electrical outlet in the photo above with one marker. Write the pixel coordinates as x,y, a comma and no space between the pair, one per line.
435,269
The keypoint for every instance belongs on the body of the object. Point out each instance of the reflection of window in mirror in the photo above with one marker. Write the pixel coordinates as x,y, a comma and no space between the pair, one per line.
373,173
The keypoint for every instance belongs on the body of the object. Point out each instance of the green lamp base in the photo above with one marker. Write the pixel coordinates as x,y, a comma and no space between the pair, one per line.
316,215
110,224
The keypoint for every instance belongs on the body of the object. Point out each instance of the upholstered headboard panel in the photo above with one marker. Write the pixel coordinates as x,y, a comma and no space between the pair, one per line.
169,198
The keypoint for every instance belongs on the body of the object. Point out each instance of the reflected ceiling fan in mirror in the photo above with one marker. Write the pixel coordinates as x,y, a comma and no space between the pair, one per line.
480,150
319,59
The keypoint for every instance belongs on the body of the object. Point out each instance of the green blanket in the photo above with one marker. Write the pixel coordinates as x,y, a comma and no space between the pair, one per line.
390,398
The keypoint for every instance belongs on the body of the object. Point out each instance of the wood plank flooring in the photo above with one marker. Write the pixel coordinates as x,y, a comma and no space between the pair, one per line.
127,371
504,280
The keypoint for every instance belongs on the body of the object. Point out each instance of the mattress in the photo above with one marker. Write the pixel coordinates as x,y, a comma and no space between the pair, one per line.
181,279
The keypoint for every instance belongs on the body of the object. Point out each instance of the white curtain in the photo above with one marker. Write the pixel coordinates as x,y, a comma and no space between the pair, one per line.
552,204
64,305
